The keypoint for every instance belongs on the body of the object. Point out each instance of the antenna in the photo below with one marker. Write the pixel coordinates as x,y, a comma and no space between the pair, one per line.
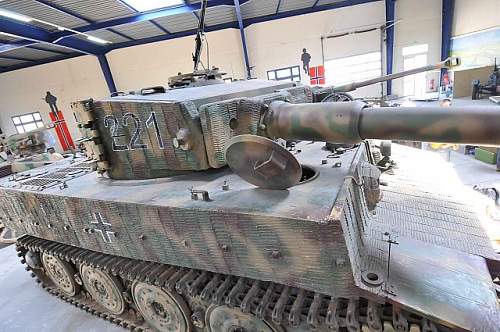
199,36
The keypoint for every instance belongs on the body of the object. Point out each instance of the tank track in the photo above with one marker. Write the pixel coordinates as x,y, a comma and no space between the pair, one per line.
288,308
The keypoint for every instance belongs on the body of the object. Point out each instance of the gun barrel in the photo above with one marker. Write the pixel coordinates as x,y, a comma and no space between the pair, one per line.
352,122
448,63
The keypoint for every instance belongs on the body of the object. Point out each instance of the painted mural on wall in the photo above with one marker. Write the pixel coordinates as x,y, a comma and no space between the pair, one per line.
306,60
477,49
52,101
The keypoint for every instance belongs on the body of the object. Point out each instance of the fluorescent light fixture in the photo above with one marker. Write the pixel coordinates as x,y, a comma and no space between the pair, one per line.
8,34
97,40
15,16
144,6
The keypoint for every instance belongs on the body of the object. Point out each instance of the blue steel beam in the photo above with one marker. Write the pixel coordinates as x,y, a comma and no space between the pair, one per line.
10,57
35,47
141,17
68,12
114,46
243,38
31,33
160,27
390,15
40,62
106,70
5,47
278,7
340,4
62,10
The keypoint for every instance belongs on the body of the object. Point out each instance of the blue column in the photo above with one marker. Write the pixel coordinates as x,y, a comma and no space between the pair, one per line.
243,38
448,11
106,70
390,8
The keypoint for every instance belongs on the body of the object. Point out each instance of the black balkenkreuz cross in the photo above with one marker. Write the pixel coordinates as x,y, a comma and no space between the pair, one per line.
103,227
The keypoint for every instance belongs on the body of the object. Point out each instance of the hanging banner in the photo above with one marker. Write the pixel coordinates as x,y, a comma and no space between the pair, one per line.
62,130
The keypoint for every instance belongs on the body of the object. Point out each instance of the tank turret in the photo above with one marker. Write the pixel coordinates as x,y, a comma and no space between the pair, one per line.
181,130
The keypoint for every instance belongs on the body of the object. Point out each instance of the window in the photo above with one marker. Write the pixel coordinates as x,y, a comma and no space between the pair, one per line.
290,74
353,68
415,56
143,6
27,122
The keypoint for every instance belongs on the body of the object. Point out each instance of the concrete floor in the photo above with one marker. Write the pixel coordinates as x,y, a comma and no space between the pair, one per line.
26,307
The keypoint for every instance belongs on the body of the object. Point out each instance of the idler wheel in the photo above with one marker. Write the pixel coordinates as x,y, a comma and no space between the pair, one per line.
61,273
105,289
162,310
225,319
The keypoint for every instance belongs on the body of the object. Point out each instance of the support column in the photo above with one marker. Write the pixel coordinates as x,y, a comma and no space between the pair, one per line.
243,38
448,11
106,70
390,8
447,23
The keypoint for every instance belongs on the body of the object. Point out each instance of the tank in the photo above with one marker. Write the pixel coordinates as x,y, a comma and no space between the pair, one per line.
188,214
340,93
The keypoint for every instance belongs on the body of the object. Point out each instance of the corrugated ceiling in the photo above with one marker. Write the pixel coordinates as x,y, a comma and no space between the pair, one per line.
80,13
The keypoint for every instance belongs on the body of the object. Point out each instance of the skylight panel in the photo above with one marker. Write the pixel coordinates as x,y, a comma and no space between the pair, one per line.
144,6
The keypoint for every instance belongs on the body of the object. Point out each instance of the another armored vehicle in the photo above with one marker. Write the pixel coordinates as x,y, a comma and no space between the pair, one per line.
153,231
491,88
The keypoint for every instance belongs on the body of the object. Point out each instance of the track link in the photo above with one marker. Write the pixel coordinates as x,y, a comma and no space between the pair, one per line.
290,308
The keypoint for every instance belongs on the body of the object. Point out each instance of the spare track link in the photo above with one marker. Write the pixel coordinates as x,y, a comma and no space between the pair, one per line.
285,306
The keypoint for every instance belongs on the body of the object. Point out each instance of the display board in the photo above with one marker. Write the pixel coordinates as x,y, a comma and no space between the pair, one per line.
477,49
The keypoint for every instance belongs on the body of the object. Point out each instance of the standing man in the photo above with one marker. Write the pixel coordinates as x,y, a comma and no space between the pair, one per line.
306,59
51,100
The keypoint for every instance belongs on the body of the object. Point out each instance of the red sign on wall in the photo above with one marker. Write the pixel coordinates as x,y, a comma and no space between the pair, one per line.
62,131
317,75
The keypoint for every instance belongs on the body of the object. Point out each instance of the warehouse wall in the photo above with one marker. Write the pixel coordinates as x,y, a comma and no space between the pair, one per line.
473,16
272,45
476,37
152,64
278,44
23,91
420,23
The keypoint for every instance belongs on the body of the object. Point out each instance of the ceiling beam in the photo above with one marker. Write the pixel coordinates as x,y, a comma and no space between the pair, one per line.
71,13
5,47
62,10
340,4
160,27
10,57
114,46
141,17
243,38
40,62
34,34
35,47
